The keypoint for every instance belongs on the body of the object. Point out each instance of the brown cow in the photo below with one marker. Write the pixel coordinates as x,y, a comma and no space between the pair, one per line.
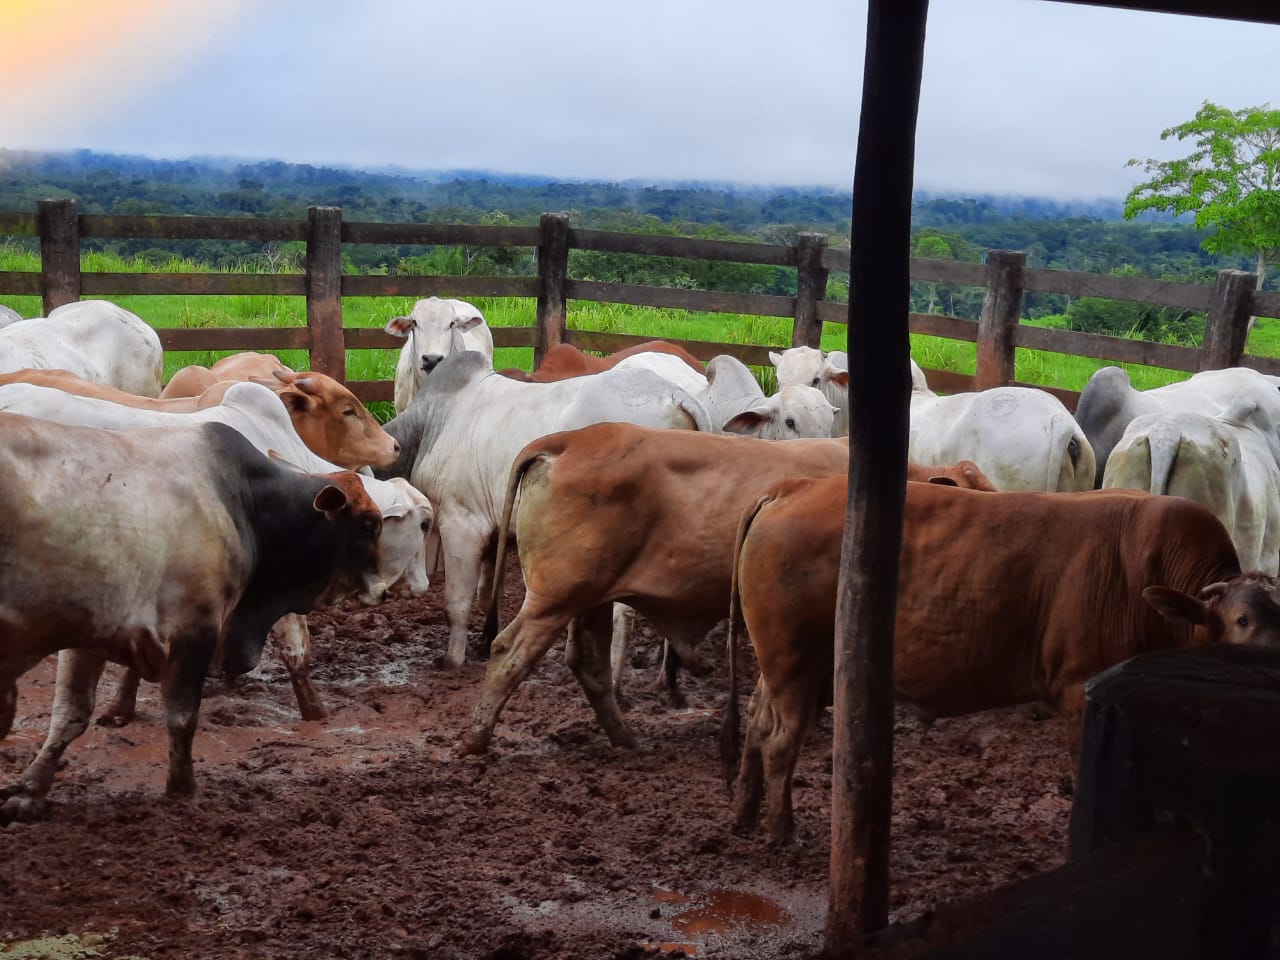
68,382
1004,598
615,512
194,380
565,361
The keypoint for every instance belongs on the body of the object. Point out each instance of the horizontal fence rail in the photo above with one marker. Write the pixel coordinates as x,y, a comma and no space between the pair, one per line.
1229,303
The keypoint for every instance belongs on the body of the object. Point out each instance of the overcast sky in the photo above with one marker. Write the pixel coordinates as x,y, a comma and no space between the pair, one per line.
1020,96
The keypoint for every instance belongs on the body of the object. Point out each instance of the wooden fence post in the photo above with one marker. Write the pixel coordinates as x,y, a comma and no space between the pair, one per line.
1226,327
811,286
324,291
59,223
1001,307
553,273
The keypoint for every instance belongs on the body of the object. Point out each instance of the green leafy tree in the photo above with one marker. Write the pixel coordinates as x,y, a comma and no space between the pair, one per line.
1230,181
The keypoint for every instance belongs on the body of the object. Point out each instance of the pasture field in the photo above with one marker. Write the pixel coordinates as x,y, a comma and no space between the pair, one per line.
1033,366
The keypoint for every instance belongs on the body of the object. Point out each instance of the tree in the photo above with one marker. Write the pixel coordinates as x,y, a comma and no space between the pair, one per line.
1230,181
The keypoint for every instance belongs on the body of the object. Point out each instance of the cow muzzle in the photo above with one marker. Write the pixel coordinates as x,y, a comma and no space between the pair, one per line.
430,361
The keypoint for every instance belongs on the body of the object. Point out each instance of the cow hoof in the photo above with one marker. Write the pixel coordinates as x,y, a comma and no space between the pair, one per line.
22,807
451,664
473,744
110,719
181,787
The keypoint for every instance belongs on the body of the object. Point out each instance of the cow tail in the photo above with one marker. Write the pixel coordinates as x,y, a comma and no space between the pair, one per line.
1069,471
518,470
730,734
1162,447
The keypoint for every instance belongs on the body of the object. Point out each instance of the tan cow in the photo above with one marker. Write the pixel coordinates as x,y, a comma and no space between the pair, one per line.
1004,598
565,361
194,380
68,382
614,512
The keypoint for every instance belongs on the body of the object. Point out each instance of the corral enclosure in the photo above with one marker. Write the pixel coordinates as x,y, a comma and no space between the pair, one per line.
364,835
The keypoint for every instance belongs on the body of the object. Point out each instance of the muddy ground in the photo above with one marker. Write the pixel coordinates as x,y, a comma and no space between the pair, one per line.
364,836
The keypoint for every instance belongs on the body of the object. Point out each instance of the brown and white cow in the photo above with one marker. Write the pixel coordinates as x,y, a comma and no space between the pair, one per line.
564,361
194,380
197,543
614,512
1004,598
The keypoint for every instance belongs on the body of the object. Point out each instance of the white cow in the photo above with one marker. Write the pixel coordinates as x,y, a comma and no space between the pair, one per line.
1225,462
8,315
256,413
93,339
1109,402
828,372
736,402
435,328
1020,437
460,435
154,549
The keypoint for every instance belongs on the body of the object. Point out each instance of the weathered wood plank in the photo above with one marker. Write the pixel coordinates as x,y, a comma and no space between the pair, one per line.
1101,347
375,338
193,284
59,252
462,287
693,248
829,312
939,325
26,283
959,272
443,234
553,274
235,338
1264,303
1267,365
702,349
250,229
1166,293
372,391
1226,327
324,291
811,287
1001,308
18,225
709,301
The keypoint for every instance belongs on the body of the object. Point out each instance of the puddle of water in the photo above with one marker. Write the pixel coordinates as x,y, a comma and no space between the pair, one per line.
718,910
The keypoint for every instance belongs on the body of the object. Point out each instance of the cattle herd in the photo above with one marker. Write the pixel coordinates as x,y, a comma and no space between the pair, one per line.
174,531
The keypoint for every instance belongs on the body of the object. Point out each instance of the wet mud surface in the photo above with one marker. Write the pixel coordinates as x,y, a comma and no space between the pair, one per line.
364,835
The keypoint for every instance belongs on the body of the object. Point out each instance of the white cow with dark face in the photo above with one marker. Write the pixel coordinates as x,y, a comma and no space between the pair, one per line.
828,372
462,432
1109,402
1020,437
1225,462
255,413
93,339
435,328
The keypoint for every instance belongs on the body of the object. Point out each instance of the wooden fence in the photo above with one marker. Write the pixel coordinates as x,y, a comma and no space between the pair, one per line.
1228,303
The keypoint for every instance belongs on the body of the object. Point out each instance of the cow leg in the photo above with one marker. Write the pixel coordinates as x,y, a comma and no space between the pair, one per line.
667,684
75,690
124,703
293,641
11,668
181,687
624,629
587,654
488,565
516,651
462,576
779,753
748,792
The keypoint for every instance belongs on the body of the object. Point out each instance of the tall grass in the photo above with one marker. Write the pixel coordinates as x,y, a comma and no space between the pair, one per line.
1033,366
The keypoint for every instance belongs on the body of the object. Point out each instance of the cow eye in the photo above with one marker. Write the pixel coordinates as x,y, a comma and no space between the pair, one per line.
1242,621
791,423
816,381
426,526
349,412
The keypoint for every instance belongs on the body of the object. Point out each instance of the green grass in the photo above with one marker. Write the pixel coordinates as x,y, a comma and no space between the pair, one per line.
1033,366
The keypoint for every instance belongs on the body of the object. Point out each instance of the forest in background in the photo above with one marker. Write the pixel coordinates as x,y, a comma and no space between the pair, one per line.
1078,236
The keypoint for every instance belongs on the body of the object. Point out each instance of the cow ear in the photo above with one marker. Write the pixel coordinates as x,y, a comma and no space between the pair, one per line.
468,323
331,501
748,421
1176,606
943,481
399,326
295,400
775,358
839,377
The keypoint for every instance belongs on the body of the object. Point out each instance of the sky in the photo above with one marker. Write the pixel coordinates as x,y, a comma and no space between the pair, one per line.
1026,97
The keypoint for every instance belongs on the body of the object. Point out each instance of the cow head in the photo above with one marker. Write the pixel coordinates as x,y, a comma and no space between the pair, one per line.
402,548
1243,609
435,329
792,413
355,524
808,367
332,422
